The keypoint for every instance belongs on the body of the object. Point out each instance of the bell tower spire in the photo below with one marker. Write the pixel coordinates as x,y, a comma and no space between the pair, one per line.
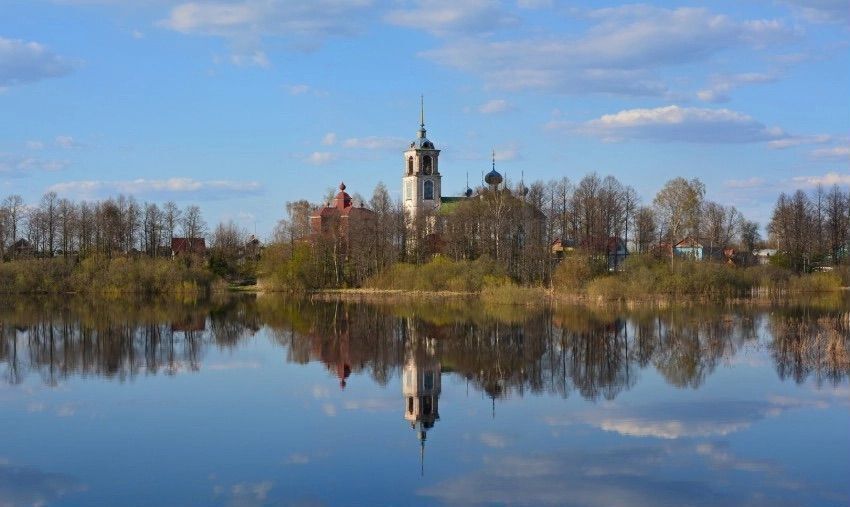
422,117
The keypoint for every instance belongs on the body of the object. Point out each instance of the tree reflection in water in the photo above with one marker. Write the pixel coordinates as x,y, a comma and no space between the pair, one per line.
595,352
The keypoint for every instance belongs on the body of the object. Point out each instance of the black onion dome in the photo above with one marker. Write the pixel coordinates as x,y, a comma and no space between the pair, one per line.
468,192
493,178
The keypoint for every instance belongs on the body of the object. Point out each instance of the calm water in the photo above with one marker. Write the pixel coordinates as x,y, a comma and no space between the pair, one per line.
263,401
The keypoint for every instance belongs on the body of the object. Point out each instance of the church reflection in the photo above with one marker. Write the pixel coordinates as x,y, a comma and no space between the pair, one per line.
421,386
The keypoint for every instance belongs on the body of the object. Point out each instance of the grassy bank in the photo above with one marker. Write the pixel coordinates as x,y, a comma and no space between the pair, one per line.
646,277
100,275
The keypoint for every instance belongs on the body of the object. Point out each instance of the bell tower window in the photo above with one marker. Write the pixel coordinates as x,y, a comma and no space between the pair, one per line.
428,190
426,165
410,166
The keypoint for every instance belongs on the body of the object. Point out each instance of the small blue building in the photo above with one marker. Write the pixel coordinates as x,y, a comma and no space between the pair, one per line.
689,248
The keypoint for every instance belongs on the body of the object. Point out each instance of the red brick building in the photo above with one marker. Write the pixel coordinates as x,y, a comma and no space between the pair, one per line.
339,217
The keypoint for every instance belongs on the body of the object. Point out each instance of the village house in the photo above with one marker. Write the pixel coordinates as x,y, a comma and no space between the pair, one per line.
188,246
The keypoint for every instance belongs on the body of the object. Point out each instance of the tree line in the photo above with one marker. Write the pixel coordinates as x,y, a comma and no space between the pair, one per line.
120,226
514,226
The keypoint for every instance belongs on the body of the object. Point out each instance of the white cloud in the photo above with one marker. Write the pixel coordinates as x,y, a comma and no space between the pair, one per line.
329,139
255,58
27,62
494,106
35,145
444,17
374,143
833,153
828,179
209,188
621,53
320,158
686,124
66,142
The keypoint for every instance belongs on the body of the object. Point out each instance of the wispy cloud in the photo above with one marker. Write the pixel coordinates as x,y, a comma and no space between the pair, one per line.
494,106
621,53
721,85
448,17
24,62
320,158
141,186
374,143
65,141
841,152
821,11
329,139
16,166
792,141
245,23
753,182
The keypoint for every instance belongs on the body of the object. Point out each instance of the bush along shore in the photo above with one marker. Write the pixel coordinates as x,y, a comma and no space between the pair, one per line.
104,276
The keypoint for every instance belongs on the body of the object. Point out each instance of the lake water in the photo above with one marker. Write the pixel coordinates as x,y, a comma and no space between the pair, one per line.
263,401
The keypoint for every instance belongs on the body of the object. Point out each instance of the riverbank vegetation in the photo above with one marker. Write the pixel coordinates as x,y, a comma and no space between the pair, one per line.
104,276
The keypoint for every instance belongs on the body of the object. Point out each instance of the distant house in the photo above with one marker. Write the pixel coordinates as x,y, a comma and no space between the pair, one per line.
186,246
689,248
560,247
22,249
764,255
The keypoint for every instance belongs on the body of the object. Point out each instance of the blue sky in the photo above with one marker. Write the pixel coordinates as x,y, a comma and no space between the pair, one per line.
242,105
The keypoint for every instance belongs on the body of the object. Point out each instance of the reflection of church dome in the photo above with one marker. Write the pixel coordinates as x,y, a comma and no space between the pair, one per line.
493,178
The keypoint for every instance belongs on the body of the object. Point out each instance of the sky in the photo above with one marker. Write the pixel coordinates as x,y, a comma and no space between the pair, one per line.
242,105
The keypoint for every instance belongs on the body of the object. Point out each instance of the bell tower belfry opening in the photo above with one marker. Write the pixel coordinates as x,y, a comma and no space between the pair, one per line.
421,180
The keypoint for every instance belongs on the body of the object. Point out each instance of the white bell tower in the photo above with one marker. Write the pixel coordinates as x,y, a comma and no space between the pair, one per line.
421,179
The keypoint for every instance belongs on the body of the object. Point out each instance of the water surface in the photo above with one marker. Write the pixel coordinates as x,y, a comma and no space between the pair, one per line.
248,401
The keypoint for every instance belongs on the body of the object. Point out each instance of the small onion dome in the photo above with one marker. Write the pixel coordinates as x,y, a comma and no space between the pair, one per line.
493,178
468,192
523,190
342,186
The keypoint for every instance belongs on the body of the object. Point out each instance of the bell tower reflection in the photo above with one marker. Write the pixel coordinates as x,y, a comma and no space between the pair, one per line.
421,387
